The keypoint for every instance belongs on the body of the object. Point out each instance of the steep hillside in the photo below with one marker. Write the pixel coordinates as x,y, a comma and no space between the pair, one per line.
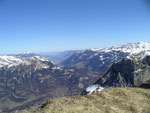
113,100
27,81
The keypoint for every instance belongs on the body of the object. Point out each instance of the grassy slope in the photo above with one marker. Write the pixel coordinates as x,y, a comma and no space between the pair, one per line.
114,100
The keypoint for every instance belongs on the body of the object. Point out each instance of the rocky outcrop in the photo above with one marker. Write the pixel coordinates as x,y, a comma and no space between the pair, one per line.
133,70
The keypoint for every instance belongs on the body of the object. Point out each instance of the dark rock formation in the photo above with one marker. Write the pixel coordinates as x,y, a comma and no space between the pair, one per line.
128,72
131,71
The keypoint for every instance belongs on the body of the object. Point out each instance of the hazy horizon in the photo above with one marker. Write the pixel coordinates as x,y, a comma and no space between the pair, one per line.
42,26
53,53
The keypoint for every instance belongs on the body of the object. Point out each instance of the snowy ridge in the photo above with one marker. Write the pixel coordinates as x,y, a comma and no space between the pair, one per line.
40,58
11,61
127,48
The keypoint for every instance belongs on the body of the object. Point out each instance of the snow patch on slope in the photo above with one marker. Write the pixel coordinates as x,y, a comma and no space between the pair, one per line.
94,88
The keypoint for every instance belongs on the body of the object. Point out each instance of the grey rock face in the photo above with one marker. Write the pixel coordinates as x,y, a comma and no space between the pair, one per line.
128,72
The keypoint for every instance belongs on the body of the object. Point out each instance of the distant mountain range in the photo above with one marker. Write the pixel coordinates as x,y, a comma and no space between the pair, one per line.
27,54
56,57
27,79
101,59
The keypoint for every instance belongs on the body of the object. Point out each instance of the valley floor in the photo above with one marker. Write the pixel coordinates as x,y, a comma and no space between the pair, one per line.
113,100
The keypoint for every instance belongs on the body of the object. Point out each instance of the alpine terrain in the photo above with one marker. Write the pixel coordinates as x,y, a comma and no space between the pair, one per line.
29,81
132,73
101,59
133,70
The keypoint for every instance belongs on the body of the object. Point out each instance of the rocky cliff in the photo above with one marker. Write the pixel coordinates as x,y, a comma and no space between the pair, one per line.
133,70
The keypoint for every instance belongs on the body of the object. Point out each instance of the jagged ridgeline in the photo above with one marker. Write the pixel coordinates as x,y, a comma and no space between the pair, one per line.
101,59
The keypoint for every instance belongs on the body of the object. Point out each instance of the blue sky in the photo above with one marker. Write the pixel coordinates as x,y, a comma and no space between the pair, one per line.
57,25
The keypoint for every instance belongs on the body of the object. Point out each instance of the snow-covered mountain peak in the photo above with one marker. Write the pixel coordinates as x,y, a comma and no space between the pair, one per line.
133,47
11,61
126,48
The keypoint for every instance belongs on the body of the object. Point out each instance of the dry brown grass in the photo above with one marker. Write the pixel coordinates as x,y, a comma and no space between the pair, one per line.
113,100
